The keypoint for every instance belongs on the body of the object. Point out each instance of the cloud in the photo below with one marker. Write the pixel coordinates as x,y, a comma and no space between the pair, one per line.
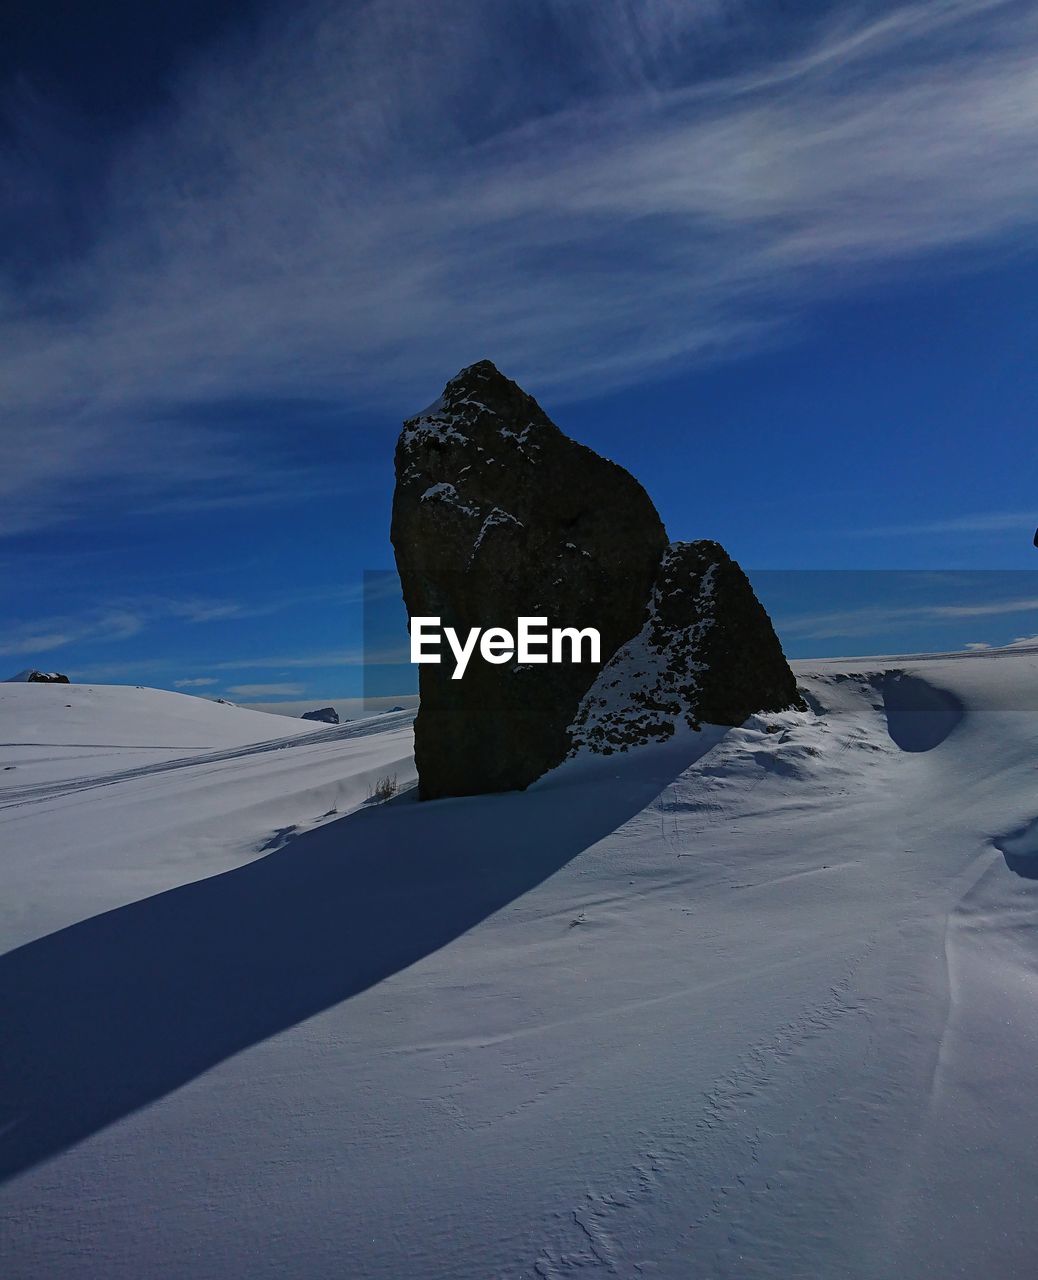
369,196
266,690
33,642
197,682
57,633
1021,522
121,620
869,620
1023,643
357,657
115,622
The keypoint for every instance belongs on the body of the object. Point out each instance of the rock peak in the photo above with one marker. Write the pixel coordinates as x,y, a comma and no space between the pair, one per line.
485,381
477,394
481,371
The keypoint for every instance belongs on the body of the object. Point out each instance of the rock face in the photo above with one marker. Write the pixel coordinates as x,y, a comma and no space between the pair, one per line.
497,515
326,715
706,653
32,676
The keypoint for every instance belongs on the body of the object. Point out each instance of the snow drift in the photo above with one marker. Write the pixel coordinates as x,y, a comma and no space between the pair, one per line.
755,1002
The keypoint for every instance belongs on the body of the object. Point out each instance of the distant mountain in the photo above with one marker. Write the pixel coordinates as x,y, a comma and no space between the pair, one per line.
31,676
327,715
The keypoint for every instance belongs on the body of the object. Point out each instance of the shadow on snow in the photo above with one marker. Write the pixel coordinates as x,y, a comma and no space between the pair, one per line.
112,1013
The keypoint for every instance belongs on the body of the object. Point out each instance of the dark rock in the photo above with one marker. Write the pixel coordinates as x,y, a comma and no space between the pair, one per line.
497,514
327,715
32,676
706,653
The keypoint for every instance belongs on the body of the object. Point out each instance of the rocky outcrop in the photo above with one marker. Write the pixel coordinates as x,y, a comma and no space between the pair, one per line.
326,715
32,676
706,653
498,515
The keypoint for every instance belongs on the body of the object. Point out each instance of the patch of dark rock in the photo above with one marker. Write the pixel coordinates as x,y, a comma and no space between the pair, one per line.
326,715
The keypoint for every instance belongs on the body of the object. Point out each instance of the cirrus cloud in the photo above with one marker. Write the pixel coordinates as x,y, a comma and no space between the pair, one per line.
266,690
370,196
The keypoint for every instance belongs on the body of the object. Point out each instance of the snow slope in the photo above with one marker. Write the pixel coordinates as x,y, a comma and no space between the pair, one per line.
760,1002
49,731
115,792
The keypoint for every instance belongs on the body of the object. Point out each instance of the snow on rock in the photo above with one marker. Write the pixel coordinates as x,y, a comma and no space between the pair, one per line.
497,515
31,676
706,652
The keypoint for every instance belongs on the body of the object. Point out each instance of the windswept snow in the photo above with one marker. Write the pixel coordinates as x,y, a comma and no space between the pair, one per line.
758,1002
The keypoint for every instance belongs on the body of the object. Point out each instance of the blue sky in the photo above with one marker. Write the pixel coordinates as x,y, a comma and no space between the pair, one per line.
778,260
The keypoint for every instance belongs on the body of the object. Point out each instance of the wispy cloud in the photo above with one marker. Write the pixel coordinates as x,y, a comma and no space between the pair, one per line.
371,196
197,682
871,620
266,690
121,620
57,633
356,657
112,623
1023,643
981,523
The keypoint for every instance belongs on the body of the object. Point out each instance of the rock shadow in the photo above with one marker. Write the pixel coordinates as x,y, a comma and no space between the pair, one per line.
919,715
112,1013
1020,850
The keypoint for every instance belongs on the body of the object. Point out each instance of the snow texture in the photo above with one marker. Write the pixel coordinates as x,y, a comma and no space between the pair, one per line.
750,1004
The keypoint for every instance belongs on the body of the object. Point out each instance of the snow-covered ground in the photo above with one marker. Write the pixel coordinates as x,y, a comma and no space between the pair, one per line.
761,1002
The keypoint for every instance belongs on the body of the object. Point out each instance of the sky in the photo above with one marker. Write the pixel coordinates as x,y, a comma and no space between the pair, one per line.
777,259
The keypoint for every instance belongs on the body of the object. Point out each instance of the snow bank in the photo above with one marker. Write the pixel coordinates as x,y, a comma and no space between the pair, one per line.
753,1003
